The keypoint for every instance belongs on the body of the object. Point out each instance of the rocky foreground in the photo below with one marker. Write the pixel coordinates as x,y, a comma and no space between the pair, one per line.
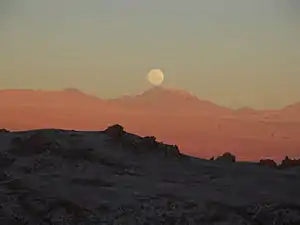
114,177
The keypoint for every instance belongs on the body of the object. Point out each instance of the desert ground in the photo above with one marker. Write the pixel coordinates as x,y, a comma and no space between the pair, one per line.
53,176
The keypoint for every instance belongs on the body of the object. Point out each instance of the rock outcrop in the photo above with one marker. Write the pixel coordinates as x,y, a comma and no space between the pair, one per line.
4,131
115,131
289,163
141,145
268,162
226,157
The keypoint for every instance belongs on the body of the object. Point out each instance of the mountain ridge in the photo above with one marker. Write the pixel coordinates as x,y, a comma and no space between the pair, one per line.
170,101
148,93
201,129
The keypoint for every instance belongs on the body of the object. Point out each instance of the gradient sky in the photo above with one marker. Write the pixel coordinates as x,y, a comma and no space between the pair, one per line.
234,52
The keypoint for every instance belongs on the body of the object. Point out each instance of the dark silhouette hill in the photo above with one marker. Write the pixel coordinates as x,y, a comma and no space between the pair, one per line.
63,177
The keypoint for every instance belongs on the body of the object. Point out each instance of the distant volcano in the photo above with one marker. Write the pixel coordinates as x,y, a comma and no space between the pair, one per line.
170,101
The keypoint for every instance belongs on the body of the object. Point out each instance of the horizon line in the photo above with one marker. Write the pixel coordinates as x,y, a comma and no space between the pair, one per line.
74,90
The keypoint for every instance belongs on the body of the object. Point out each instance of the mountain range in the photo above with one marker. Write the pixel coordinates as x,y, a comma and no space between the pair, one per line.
201,128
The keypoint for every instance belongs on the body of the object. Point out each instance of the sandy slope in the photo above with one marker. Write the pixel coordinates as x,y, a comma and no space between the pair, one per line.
96,179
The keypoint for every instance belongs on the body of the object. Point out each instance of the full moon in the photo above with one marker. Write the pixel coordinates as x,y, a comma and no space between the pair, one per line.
156,77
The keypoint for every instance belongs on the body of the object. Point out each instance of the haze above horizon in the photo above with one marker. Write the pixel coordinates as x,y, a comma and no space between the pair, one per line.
234,53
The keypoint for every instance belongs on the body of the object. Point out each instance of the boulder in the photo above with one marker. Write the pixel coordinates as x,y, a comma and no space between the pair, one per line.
268,162
149,145
4,131
288,163
172,151
226,157
150,142
115,131
150,139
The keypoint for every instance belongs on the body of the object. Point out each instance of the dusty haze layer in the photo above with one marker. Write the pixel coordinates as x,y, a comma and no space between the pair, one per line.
201,128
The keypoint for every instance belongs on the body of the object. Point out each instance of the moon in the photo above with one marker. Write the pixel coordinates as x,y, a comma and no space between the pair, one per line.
156,77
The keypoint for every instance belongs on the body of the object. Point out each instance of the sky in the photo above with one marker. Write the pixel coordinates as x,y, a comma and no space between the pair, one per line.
235,53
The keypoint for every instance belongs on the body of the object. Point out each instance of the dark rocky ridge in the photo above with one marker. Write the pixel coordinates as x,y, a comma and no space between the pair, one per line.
286,163
114,177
